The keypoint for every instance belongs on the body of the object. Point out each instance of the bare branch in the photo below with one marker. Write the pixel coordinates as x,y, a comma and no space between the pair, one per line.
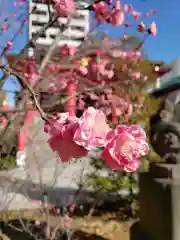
16,110
26,229
53,46
29,88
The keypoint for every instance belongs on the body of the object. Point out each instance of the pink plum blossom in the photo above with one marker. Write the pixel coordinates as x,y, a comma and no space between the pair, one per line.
92,130
30,71
9,44
141,27
61,131
117,15
117,18
101,11
136,75
64,8
67,50
72,137
136,15
153,29
126,144
101,71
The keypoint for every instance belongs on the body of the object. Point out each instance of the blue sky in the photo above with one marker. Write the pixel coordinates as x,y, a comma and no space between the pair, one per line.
165,46
7,11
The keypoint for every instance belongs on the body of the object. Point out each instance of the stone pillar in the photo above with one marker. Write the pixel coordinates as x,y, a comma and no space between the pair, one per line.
23,138
71,102
160,202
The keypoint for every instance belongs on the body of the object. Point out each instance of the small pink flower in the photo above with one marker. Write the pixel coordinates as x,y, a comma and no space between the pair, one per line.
37,223
92,129
64,8
153,29
5,28
52,88
30,71
133,55
125,146
117,15
67,50
9,44
130,7
141,27
101,11
136,75
61,131
100,72
83,70
136,15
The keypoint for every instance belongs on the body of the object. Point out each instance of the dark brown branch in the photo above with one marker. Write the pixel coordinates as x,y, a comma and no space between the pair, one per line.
16,110
29,88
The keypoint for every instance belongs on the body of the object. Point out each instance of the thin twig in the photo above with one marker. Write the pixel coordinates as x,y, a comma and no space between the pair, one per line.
46,212
49,10
16,110
15,228
52,47
54,232
29,88
26,229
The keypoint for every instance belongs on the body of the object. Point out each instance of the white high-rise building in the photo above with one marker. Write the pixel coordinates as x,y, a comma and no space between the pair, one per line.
77,30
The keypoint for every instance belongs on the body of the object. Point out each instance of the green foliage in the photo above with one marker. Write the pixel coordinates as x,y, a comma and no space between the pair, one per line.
7,162
103,179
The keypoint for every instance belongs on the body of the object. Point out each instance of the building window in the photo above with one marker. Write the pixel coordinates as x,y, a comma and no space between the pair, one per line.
42,35
39,12
36,23
79,28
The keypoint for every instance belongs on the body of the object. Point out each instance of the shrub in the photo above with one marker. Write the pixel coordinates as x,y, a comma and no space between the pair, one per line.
7,162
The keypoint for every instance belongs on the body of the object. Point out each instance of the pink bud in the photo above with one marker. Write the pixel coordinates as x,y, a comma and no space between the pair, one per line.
37,222
9,44
98,52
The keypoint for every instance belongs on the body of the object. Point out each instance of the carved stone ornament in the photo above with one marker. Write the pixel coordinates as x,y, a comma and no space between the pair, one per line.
165,128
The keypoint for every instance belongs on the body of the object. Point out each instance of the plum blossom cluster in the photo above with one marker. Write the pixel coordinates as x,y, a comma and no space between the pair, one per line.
106,12
73,137
107,102
63,8
117,15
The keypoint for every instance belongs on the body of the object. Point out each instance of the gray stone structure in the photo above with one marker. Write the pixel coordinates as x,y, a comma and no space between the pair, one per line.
160,187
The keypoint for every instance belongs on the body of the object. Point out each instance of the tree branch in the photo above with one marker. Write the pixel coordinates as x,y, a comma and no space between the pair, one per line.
29,88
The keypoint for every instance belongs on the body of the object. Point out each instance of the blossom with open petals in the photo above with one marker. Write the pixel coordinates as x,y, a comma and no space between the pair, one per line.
141,27
73,137
64,8
125,146
61,132
92,129
136,15
117,15
67,50
101,11
153,29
